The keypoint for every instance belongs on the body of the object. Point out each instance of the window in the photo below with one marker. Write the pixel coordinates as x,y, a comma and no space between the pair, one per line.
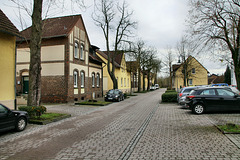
82,52
82,79
76,50
190,82
75,79
193,71
124,82
223,92
98,80
208,92
93,79
121,82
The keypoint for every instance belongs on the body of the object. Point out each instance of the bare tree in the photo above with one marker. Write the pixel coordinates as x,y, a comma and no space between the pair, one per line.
139,53
216,23
185,49
168,62
115,19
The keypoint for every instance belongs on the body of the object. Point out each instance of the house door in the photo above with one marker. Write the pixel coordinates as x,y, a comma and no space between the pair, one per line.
25,84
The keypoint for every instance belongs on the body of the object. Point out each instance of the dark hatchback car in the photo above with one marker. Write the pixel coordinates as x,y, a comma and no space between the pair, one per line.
212,99
10,119
114,95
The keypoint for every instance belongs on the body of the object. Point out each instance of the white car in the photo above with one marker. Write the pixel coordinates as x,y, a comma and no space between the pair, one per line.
152,87
156,86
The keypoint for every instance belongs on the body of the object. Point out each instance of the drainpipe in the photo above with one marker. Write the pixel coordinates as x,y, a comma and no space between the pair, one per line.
15,79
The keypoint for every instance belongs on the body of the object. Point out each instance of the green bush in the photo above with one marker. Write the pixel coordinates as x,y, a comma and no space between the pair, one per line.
169,97
33,110
170,88
167,91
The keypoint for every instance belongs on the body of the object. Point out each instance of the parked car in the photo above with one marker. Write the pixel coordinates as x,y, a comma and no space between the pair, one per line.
213,99
157,86
114,95
181,97
11,119
152,88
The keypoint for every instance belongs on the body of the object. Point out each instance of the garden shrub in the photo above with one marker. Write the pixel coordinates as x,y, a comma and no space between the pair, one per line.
33,110
167,91
169,97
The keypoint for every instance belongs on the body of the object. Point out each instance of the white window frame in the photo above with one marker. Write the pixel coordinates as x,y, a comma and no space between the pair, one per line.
76,49
82,79
82,51
75,79
190,82
98,79
193,71
93,79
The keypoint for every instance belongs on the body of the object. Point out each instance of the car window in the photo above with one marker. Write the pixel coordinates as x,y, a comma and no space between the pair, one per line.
224,92
208,92
193,92
111,91
3,109
187,90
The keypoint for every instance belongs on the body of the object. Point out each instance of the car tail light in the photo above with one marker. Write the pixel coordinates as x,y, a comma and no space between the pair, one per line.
180,95
190,97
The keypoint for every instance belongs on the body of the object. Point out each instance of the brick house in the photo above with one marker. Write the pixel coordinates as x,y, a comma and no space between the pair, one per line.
71,71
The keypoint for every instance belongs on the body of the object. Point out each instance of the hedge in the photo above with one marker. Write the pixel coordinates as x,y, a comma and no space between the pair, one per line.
167,91
169,97
33,110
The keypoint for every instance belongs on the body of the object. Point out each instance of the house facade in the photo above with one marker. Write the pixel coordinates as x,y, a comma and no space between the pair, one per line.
8,34
121,73
70,71
196,74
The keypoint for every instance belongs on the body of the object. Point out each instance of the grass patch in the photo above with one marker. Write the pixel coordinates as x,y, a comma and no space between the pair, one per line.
229,128
48,118
94,103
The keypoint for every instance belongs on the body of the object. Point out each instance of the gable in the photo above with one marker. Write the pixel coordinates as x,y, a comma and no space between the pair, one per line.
6,26
194,63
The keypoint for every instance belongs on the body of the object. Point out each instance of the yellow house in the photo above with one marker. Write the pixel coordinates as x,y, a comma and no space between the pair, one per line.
195,74
8,33
121,73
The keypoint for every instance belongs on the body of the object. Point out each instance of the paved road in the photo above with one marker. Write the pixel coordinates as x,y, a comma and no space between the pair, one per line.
137,128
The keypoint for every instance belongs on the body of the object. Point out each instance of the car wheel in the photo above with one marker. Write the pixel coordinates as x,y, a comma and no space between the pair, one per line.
198,109
118,99
21,124
123,98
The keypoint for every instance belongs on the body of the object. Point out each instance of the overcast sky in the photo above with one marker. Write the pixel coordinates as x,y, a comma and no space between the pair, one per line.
161,23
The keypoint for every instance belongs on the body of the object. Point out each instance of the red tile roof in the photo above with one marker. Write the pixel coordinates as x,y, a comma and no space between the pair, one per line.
55,27
7,26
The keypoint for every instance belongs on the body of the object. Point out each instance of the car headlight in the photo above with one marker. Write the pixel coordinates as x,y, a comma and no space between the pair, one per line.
116,96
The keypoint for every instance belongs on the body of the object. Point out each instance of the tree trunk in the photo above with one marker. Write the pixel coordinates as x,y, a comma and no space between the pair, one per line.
139,79
34,95
144,80
148,85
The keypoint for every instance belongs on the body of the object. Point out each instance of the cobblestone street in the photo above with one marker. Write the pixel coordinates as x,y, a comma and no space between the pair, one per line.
136,128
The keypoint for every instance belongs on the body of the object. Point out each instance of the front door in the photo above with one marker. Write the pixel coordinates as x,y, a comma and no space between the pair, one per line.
25,84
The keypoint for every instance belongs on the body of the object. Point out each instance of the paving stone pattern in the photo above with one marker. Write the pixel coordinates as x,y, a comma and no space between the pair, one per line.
103,133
